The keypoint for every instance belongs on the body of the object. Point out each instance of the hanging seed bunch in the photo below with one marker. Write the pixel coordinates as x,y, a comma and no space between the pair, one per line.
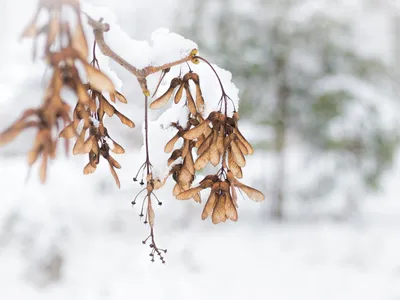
218,141
178,85
63,49
98,142
214,139
54,110
183,173
44,119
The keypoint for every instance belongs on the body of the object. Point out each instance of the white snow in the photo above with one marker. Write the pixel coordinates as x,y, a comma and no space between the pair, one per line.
90,224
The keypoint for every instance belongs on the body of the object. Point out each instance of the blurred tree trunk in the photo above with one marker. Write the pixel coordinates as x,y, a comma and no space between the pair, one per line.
281,114
396,37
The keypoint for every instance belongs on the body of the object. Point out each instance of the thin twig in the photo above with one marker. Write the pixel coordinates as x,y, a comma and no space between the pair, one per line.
98,30
146,132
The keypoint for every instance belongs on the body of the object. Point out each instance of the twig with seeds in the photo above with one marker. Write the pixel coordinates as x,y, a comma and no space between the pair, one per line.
98,30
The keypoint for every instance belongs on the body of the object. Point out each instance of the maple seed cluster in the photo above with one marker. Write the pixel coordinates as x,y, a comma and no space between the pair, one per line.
221,141
214,139
218,140
64,49
180,85
99,143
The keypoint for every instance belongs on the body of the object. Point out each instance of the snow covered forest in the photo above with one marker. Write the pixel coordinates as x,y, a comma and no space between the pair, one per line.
317,84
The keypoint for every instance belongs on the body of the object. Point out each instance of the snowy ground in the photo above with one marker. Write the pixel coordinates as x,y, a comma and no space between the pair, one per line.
92,227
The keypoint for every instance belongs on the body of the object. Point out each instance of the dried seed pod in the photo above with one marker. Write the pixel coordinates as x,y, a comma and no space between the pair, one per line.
214,153
174,156
196,131
98,143
179,93
209,207
252,193
237,154
161,101
230,208
219,214
171,144
189,194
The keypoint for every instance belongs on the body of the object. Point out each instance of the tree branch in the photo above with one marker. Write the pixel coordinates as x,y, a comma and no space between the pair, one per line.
98,30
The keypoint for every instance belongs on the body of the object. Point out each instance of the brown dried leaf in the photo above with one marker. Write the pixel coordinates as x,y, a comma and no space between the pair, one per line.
189,194
199,140
197,198
184,185
12,132
33,155
89,168
69,131
224,186
252,193
199,99
159,184
121,98
233,166
79,145
53,29
124,120
150,213
113,162
174,156
195,132
242,147
188,163
185,179
88,145
107,107
185,148
171,144
218,214
230,209
231,179
98,81
115,175
220,141
82,94
96,151
214,153
79,42
177,190
43,168
190,101
202,160
178,95
52,145
205,145
160,102
112,97
244,141
208,181
237,154
53,148
209,207
117,148
164,98
208,131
